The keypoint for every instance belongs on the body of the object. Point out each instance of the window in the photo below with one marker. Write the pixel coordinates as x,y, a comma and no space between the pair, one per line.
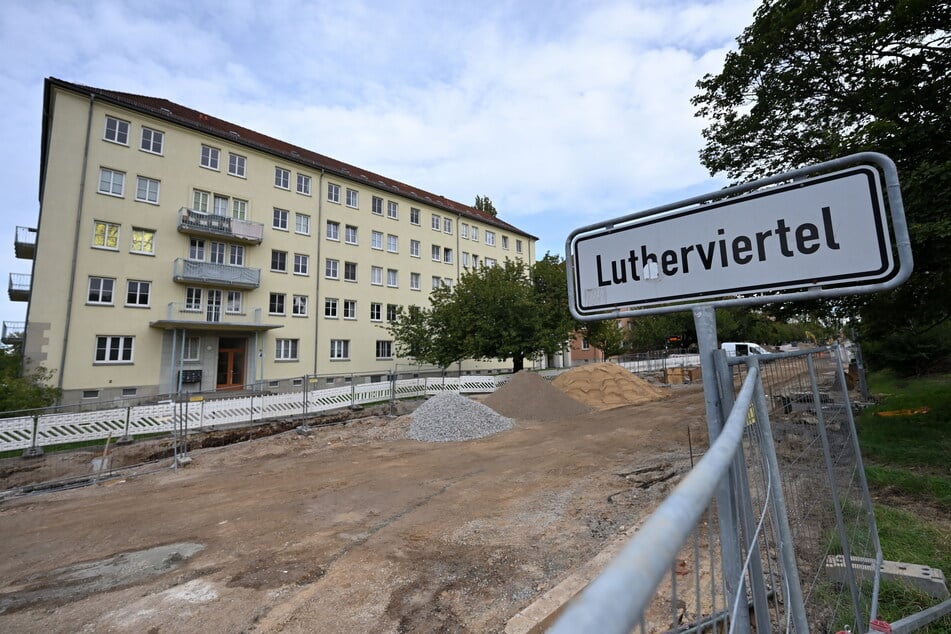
505,242
447,282
436,253
100,290
490,238
339,349
436,223
237,255
105,235
392,243
475,234
196,249
330,308
111,349
303,184
475,261
143,241
276,304
192,299
282,178
585,345
447,225
376,240
279,261
91,393
111,182
392,312
414,248
490,261
302,224
384,349
392,278
333,230
447,256
209,157
117,131
392,209
377,206
376,312
191,351
285,349
437,282
234,302
331,269
414,216
350,234
463,230
465,258
301,264
152,140
216,252
333,192
220,206
239,209
137,293
299,305
353,198
414,281
518,246
349,309
237,165
279,220
376,275
200,201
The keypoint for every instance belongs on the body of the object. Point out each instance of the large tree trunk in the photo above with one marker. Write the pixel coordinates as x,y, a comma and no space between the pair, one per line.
518,363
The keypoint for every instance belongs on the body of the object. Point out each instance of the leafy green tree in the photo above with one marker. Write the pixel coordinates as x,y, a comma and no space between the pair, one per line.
550,284
649,332
607,335
28,391
483,203
813,80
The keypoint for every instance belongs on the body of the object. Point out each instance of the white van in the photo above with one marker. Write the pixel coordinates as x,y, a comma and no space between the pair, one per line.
742,349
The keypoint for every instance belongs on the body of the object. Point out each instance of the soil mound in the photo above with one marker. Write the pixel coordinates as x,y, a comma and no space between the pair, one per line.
528,396
606,385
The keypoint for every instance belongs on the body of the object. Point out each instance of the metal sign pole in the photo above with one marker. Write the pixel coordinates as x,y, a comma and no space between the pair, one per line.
705,321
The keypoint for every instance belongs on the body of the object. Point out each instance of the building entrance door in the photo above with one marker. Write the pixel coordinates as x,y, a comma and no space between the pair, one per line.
230,364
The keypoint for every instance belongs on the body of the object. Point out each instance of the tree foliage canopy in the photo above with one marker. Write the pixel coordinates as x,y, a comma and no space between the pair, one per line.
28,391
483,203
814,80
509,311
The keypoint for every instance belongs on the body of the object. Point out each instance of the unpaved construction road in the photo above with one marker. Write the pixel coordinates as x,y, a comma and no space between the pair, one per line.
350,529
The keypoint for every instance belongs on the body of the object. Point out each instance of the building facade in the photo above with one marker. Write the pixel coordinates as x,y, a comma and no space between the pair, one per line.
178,252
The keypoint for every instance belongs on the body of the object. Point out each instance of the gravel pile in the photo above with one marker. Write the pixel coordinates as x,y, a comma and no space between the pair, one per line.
448,417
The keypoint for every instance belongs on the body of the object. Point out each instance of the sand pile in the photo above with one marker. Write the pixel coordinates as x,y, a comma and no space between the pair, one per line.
606,385
530,397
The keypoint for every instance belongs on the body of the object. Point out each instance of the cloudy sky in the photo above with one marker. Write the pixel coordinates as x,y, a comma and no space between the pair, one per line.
562,112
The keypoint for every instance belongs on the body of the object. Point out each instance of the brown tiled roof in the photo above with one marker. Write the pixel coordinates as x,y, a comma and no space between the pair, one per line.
182,115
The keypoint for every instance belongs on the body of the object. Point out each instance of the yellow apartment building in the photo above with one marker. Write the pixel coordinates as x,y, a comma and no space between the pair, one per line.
175,251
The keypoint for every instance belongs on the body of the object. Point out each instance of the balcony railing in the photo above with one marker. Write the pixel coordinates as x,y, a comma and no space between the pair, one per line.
198,223
24,245
13,332
211,314
19,287
193,272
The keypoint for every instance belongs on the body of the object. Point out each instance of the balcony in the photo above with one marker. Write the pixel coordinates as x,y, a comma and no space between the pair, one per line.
201,224
208,273
24,245
19,287
13,332
211,317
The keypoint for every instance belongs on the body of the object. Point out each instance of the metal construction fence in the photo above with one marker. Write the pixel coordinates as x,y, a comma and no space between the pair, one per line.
773,528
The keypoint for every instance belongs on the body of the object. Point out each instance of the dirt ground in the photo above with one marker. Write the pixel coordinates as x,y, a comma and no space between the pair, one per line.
353,528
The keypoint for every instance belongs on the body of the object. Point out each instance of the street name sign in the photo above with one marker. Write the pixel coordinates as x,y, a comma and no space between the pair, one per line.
827,234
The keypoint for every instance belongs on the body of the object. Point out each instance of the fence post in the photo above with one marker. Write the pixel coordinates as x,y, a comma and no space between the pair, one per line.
34,451
125,439
353,392
304,384
793,597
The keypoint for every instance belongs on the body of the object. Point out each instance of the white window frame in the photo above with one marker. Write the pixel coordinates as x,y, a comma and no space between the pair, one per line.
376,275
518,246
152,141
119,130
353,198
414,248
101,291
376,240
447,225
279,219
392,243
303,184
196,249
376,206
286,349
217,252
447,255
148,189
201,200
392,209
332,269
302,224
333,193
376,311
234,303
239,209
387,345
349,309
282,178
210,157
236,254
301,264
465,259
436,253
414,281
193,299
436,223
474,234
138,235
299,305
122,345
107,228
237,165
278,261
138,293
437,282
351,234
331,307
339,349
414,214
114,179
191,349
490,238
392,278
332,230
346,268
505,242
463,230
277,304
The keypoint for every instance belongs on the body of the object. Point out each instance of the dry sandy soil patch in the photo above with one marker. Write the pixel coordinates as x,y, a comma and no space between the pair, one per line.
353,528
